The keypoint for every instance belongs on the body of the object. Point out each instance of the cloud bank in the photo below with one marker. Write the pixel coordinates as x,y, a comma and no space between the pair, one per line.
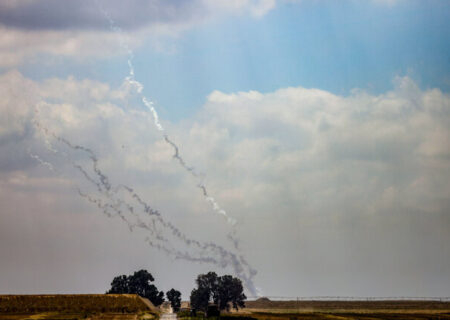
135,14
80,29
357,184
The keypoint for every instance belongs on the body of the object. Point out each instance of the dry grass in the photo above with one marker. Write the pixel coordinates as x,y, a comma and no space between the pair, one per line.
73,316
79,306
367,315
264,309
287,306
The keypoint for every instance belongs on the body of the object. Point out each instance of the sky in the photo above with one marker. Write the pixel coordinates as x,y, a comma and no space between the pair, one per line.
302,146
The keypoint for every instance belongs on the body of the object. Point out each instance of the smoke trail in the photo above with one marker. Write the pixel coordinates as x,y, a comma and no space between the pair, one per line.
176,155
201,185
131,80
41,161
215,205
114,203
103,186
208,252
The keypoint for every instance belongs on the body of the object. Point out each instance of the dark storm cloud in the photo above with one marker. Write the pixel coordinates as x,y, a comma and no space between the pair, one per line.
87,14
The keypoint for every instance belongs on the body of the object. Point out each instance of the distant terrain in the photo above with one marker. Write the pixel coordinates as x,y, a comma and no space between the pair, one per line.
265,309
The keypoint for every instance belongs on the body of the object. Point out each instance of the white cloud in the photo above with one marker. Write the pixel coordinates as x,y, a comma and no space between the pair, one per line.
79,29
30,29
22,46
257,8
19,94
290,137
330,178
296,137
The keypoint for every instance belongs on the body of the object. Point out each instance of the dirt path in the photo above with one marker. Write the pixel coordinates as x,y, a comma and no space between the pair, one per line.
168,316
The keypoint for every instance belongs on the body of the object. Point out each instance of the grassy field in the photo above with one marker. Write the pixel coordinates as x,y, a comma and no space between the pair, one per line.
74,316
339,316
74,307
354,315
132,307
264,309
266,304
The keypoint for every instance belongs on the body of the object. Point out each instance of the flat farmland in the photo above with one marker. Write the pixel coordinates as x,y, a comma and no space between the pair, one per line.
264,309
72,316
74,307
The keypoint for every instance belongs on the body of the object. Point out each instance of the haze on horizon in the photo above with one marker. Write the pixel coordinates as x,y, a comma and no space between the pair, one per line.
320,128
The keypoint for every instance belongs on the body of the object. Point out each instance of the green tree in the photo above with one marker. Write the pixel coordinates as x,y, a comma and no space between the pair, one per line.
199,299
174,296
209,282
230,292
225,291
138,283
119,284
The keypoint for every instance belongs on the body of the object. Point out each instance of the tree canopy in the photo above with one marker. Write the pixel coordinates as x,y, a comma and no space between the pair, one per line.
225,291
200,298
174,296
230,292
138,283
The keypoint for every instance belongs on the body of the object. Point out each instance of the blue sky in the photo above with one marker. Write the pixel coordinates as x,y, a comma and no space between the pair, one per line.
332,45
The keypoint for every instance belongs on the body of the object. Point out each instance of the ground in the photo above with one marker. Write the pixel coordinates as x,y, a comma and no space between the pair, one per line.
74,316
264,309
75,307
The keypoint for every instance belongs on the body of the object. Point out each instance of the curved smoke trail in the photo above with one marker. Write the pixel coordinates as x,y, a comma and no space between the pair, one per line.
40,160
122,201
130,78
113,200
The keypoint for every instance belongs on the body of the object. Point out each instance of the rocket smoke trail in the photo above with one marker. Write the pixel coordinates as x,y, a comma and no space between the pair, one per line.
125,203
122,201
192,171
41,161
131,80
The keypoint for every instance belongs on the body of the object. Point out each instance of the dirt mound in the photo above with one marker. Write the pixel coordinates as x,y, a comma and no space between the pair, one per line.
104,303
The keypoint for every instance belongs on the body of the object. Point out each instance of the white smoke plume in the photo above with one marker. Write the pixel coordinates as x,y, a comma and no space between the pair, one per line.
41,161
131,80
122,201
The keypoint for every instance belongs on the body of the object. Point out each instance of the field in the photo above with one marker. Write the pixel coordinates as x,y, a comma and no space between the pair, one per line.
71,316
264,309
74,307
132,307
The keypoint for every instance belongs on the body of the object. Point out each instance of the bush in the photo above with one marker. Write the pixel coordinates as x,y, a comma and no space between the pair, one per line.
183,314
